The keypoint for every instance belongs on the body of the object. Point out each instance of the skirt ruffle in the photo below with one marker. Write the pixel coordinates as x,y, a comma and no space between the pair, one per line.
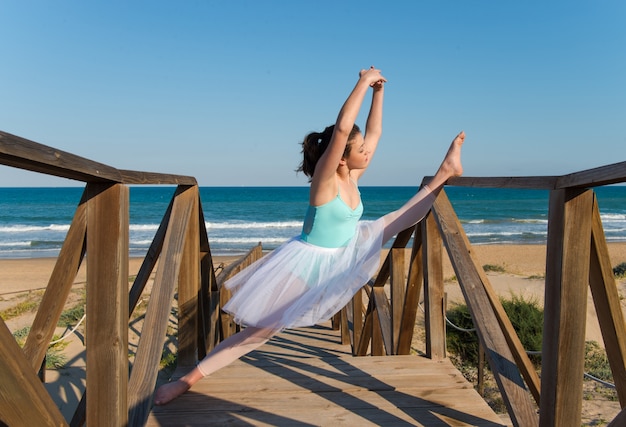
300,284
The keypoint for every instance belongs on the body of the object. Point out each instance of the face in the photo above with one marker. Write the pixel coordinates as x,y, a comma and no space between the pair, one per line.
359,156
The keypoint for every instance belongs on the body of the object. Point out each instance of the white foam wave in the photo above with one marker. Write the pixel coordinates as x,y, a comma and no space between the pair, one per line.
13,244
246,240
613,217
253,225
33,228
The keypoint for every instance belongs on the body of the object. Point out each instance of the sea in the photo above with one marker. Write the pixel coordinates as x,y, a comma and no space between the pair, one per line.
34,221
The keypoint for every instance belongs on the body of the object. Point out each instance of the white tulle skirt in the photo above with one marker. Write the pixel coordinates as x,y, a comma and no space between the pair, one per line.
300,284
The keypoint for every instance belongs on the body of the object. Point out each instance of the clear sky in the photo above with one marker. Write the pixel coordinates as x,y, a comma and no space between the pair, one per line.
226,90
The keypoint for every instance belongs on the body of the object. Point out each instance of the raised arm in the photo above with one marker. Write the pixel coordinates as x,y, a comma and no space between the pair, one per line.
323,186
374,125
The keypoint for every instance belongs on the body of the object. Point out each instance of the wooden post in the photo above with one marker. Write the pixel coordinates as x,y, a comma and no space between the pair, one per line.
433,291
398,291
412,297
567,275
188,290
357,320
107,304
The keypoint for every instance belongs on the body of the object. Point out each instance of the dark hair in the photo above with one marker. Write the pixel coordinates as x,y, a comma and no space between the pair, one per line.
315,144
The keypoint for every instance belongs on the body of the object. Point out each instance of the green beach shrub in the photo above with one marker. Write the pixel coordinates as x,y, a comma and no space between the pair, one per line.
620,271
54,355
525,315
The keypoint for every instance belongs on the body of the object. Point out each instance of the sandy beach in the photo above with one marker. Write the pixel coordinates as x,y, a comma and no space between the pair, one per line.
523,272
17,275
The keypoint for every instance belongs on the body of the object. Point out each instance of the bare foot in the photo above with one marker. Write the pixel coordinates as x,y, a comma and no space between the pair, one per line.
170,391
451,165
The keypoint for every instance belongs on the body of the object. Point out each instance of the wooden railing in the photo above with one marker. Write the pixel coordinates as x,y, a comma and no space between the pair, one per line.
99,233
577,257
379,320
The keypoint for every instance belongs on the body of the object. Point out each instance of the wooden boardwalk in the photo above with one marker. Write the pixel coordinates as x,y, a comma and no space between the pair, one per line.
305,377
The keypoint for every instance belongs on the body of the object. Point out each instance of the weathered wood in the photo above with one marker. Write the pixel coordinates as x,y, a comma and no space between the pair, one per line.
411,300
107,304
528,182
189,289
398,292
357,312
208,285
603,175
24,400
149,349
25,154
567,275
153,178
344,328
517,350
59,286
501,360
298,379
383,311
366,335
377,346
433,290
607,304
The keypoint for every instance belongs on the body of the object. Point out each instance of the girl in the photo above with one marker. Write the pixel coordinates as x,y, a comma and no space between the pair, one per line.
311,277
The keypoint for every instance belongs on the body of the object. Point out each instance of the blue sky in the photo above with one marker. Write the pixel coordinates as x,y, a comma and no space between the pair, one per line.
226,90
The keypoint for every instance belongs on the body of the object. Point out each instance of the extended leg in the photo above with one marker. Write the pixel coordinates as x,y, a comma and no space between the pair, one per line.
418,206
222,355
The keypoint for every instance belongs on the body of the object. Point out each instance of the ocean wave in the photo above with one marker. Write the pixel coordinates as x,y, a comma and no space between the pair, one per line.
246,240
613,217
253,225
33,228
506,233
13,244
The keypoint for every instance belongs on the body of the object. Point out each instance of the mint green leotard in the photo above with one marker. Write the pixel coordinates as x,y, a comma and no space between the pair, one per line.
332,224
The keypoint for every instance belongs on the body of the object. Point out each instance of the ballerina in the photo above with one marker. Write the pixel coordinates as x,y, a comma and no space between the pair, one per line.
312,276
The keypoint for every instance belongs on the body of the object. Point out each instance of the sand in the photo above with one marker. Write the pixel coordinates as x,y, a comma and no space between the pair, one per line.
524,269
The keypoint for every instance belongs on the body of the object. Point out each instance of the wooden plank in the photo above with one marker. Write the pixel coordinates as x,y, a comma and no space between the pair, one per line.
24,401
519,353
530,182
383,318
398,292
567,275
59,286
488,326
356,318
271,387
433,290
603,175
149,349
607,304
153,178
107,304
22,153
29,155
189,289
413,290
207,337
